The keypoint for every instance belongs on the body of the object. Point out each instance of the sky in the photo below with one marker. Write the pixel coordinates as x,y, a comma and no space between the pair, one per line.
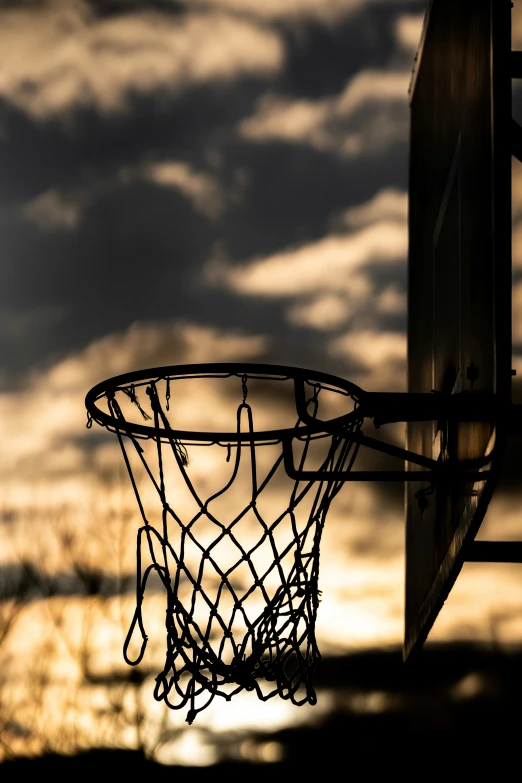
213,180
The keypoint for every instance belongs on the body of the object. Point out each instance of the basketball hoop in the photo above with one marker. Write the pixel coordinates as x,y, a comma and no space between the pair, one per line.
256,636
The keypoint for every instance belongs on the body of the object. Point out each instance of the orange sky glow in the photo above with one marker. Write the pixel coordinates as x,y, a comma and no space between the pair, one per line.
68,513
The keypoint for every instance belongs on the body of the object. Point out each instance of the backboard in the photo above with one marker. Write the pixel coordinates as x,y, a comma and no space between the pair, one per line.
459,279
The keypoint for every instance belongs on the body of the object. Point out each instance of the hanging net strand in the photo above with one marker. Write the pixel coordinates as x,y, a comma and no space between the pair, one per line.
256,637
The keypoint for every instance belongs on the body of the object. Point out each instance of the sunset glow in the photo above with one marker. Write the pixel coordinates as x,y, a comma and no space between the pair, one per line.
225,181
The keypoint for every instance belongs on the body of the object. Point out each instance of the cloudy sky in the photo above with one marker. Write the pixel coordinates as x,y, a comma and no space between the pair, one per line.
209,162
195,181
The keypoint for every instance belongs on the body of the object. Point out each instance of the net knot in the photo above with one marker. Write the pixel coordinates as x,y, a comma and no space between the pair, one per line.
133,397
167,395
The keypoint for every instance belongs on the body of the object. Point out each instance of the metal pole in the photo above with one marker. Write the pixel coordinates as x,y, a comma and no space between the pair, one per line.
494,552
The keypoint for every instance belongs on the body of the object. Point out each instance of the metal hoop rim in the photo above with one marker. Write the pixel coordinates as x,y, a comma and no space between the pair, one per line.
220,369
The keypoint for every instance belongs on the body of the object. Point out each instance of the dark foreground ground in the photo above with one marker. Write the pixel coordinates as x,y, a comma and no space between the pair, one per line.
457,710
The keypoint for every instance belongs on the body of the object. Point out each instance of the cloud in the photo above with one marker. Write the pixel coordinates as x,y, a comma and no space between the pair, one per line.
342,279
369,348
324,312
380,358
54,211
59,56
517,313
517,188
201,189
387,204
391,301
517,245
334,263
328,11
329,311
516,17
408,30
517,213
37,422
288,120
366,118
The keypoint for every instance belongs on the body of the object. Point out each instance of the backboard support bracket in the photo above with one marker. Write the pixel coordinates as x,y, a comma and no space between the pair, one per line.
494,552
